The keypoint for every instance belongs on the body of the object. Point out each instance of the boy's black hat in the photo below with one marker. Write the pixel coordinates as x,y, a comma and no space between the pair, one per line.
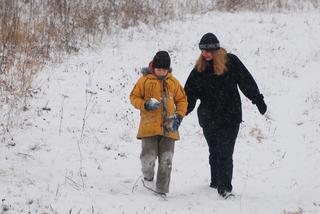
209,42
161,60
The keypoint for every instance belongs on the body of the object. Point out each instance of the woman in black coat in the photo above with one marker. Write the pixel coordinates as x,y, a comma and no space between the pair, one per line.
215,80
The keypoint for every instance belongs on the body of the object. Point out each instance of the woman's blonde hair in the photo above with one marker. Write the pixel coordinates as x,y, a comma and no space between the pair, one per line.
219,62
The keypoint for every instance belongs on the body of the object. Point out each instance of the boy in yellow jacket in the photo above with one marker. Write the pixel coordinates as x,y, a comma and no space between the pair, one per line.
162,103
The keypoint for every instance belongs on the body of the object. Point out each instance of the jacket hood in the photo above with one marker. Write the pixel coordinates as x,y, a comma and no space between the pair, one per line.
146,70
149,70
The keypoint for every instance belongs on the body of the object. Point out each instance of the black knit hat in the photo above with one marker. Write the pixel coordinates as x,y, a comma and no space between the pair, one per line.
161,60
209,42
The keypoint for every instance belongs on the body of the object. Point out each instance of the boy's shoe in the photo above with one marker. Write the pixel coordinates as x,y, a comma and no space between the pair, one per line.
150,186
162,194
148,179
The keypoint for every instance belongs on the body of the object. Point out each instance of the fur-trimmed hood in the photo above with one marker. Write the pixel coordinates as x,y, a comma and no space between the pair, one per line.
146,70
150,70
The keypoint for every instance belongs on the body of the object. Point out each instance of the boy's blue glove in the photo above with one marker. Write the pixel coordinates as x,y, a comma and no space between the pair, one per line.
175,121
151,104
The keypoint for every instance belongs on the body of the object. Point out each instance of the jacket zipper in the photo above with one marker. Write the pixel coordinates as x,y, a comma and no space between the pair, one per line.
164,112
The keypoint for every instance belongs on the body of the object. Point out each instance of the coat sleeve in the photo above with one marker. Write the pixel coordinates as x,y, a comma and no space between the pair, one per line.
137,94
191,88
246,83
180,100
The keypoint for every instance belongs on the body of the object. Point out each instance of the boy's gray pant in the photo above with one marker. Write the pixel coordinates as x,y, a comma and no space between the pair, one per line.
163,148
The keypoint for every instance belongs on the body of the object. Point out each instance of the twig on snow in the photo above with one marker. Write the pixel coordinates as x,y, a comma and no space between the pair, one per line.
74,184
135,185
26,155
61,112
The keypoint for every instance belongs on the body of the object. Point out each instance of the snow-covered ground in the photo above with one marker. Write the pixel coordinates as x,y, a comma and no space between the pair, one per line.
76,150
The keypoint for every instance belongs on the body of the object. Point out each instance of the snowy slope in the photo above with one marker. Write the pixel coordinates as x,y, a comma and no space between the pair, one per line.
76,150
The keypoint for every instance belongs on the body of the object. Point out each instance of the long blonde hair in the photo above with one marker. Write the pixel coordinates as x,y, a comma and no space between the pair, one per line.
219,62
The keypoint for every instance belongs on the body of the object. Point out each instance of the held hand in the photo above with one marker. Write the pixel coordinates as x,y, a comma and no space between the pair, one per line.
151,104
262,107
175,121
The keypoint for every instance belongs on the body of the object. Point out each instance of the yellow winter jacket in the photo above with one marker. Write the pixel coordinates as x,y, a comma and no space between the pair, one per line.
154,122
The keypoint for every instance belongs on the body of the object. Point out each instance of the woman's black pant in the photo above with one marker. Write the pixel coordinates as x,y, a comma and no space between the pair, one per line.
221,142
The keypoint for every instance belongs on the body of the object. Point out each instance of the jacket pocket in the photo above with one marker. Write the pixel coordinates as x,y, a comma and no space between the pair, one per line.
148,118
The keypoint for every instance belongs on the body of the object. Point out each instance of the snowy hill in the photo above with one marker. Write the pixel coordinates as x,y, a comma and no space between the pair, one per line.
76,151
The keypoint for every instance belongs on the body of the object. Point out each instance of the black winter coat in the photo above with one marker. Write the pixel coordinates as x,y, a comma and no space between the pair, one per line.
220,100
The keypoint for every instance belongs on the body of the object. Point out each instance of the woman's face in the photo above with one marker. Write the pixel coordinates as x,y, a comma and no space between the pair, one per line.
160,72
207,55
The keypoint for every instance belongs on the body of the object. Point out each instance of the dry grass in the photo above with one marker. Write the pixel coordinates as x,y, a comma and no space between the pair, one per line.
266,5
257,134
34,32
299,211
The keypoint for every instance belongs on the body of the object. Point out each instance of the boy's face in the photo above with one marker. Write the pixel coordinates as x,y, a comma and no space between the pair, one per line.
160,72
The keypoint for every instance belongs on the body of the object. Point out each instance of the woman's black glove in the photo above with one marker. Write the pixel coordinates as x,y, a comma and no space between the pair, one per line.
262,107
